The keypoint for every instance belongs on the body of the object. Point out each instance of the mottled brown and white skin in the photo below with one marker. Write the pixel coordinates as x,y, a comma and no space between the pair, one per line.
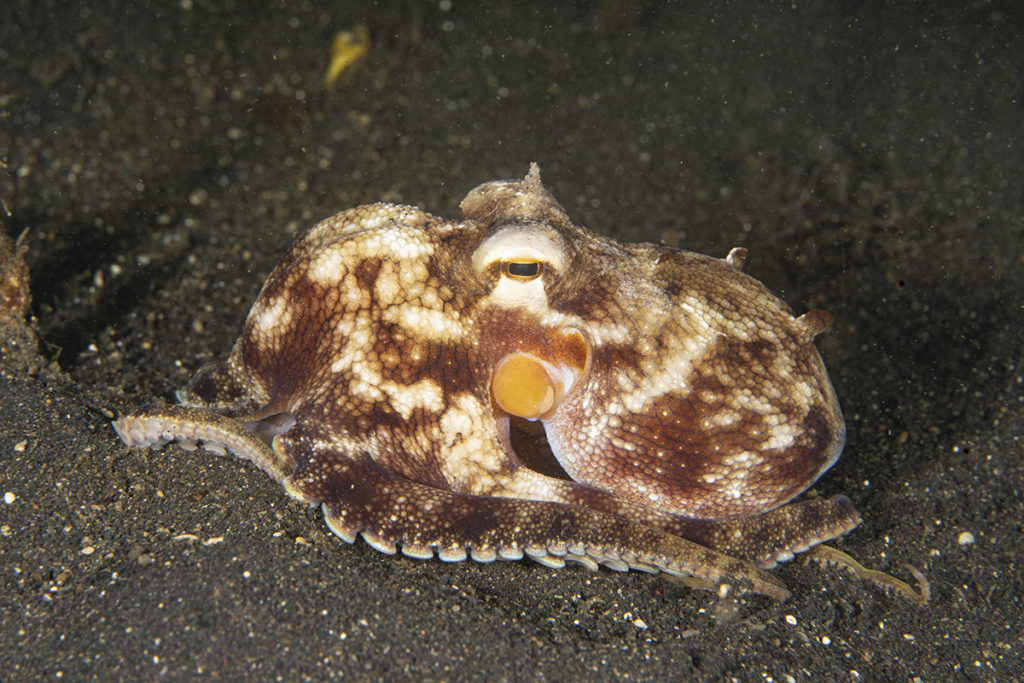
379,369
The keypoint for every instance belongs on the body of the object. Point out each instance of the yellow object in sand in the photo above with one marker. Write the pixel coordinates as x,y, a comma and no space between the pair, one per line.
347,48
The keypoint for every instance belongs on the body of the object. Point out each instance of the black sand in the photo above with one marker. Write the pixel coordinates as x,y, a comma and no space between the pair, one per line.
164,156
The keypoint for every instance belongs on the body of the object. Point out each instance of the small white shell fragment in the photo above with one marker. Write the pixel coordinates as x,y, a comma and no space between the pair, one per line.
965,538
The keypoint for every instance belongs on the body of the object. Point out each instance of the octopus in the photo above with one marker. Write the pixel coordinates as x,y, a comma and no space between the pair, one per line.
395,363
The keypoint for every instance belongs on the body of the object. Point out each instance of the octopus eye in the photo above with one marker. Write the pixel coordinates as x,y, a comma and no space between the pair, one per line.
523,270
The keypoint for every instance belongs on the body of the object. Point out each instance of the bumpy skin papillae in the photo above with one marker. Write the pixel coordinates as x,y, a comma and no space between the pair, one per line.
687,403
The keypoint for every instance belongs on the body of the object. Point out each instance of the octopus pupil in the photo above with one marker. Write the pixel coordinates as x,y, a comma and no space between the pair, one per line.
531,269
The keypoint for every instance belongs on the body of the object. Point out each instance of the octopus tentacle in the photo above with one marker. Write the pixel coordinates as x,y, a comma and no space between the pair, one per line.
156,425
360,498
827,555
388,511
777,535
764,539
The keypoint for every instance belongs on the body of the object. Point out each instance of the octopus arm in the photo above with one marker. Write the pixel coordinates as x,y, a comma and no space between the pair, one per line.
359,497
391,513
764,539
774,536
154,426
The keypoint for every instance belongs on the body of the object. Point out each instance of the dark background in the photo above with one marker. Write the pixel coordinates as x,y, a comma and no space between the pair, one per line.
163,156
